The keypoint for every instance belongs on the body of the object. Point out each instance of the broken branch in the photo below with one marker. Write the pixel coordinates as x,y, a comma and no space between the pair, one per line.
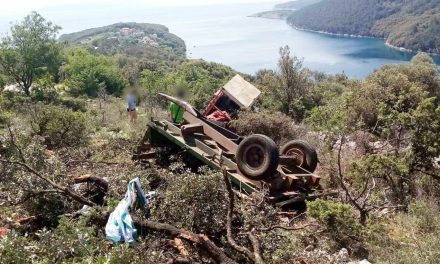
62,189
229,237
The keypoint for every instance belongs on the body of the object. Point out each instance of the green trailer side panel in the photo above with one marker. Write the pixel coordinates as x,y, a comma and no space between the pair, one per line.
179,141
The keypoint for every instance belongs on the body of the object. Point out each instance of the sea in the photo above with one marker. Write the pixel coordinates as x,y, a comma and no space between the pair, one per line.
225,33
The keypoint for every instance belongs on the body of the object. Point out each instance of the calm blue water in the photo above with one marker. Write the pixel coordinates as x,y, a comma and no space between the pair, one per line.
224,33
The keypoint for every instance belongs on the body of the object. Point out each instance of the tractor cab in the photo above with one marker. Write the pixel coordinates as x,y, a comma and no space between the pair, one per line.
235,95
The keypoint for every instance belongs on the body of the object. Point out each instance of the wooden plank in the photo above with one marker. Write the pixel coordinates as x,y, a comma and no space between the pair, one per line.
216,154
172,128
212,133
242,183
191,129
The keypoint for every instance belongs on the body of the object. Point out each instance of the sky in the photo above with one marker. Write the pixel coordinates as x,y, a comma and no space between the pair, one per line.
67,13
58,10
11,7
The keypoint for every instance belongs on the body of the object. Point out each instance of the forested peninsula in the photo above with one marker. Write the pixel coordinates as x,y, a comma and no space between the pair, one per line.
406,25
412,25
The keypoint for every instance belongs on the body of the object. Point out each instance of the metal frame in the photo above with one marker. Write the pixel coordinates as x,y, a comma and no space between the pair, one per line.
216,147
204,153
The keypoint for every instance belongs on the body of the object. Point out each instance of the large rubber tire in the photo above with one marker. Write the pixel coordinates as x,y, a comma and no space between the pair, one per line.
258,157
304,151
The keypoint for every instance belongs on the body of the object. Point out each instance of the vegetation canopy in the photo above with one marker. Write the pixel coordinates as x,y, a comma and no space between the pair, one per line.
30,51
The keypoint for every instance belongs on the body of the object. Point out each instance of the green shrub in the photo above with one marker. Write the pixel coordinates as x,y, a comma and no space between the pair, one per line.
337,217
276,125
87,74
71,240
202,79
409,237
75,104
280,246
2,82
60,127
195,202
14,101
16,249
44,90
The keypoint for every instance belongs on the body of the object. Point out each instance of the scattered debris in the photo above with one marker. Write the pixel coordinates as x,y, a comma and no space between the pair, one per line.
92,187
343,255
4,231
120,227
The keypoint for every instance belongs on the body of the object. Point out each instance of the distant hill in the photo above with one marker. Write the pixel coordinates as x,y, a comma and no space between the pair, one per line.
284,10
140,40
410,24
298,4
273,14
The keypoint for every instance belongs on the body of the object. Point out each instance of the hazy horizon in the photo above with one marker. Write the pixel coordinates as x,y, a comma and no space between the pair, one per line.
224,33
12,12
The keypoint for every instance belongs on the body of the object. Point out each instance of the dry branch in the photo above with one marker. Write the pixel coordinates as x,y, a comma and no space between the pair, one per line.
24,165
62,189
200,240
256,247
178,243
290,228
98,162
245,251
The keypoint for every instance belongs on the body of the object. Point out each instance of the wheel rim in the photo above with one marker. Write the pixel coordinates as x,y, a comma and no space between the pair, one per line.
254,156
296,154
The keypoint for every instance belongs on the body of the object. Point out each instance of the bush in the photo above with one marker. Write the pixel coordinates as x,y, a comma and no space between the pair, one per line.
16,249
13,101
195,202
75,104
276,125
413,236
202,79
44,90
60,127
70,240
87,74
2,82
339,218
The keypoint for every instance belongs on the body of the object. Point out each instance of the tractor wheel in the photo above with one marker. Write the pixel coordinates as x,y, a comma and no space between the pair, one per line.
258,157
303,153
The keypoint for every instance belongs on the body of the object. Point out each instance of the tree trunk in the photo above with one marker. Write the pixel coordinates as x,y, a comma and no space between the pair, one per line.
27,89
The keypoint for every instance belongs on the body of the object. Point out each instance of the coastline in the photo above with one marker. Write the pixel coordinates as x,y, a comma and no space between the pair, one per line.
386,42
389,45
332,34
403,49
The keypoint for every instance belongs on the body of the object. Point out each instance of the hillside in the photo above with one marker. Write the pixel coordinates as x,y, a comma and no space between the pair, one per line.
74,164
413,25
140,40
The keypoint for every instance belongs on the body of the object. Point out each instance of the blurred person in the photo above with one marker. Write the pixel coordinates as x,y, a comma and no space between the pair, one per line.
176,111
131,106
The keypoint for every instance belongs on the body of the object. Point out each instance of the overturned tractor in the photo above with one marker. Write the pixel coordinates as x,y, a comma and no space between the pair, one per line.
253,163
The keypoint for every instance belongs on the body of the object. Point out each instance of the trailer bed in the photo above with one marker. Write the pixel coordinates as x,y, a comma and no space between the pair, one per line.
208,152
